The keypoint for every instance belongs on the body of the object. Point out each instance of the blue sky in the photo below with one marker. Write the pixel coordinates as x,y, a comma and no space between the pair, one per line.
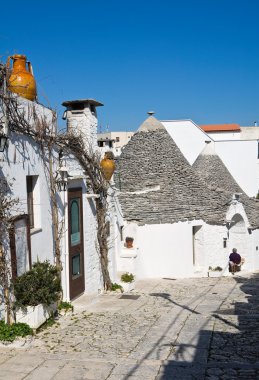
182,59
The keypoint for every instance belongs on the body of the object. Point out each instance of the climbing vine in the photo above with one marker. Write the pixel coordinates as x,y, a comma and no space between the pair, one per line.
23,118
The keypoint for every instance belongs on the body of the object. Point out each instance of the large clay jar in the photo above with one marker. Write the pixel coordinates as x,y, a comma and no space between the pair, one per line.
108,165
21,80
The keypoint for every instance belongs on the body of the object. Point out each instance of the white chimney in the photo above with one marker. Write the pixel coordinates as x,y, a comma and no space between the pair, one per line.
81,119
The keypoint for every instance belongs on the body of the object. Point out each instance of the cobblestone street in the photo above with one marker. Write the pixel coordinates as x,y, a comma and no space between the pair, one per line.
176,329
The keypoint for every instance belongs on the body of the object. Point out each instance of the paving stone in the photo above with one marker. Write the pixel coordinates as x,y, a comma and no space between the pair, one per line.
47,370
8,374
174,330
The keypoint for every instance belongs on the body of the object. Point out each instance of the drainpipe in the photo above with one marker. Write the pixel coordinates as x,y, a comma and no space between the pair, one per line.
66,253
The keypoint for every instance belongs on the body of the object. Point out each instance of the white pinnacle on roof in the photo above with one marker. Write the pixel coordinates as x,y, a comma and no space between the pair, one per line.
209,149
150,124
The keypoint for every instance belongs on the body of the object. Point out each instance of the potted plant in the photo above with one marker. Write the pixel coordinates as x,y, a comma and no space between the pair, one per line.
36,294
65,308
215,272
127,280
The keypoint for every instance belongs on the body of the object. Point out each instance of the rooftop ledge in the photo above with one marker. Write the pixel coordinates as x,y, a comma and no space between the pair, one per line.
69,103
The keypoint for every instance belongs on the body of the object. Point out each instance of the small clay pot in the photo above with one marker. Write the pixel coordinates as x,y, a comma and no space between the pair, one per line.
129,242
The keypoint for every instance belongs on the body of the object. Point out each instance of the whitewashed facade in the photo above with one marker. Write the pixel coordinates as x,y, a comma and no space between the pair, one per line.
22,160
239,155
181,224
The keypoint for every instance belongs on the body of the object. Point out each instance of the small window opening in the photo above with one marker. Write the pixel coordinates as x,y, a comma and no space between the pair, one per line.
121,233
92,109
30,187
224,242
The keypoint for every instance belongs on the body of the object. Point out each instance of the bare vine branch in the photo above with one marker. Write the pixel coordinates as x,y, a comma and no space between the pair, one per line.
24,118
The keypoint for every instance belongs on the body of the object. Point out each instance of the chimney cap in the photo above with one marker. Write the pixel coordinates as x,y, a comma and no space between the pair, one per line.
83,102
150,113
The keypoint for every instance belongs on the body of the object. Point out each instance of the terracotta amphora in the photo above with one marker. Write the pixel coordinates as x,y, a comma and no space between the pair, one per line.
21,80
108,165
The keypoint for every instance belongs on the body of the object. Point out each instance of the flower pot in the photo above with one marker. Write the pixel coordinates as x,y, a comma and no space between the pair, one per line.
128,286
35,316
129,242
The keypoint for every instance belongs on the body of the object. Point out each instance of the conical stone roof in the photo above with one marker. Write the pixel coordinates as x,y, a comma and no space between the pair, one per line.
212,170
150,124
157,184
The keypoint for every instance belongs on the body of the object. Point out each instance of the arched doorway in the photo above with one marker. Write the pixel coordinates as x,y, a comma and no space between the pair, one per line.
238,236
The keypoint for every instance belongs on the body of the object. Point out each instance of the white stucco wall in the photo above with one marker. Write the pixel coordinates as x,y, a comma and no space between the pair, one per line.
224,135
237,236
188,136
250,133
255,249
84,122
214,252
165,250
91,257
23,158
240,158
188,249
20,160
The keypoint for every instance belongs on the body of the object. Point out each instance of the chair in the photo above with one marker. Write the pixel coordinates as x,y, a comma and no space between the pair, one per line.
236,267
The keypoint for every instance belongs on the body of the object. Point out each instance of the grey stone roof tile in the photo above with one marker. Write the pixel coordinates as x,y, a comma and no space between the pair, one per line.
153,159
212,170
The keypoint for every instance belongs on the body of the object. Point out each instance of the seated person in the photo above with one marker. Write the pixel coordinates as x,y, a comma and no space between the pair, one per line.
234,260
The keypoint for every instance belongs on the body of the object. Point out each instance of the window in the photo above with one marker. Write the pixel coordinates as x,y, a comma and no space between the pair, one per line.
121,233
117,139
100,144
33,200
20,246
30,186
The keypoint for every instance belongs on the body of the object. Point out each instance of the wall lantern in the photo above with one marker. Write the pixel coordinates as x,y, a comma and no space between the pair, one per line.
62,178
249,230
3,141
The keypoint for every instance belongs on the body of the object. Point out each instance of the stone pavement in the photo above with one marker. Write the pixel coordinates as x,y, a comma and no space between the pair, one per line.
176,329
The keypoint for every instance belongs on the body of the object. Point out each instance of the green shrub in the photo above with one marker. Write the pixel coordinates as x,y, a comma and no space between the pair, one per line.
40,285
127,277
8,333
216,269
65,306
116,286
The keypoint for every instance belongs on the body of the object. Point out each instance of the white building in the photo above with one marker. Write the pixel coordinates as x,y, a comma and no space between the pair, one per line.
113,141
222,131
32,218
231,131
239,156
182,221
